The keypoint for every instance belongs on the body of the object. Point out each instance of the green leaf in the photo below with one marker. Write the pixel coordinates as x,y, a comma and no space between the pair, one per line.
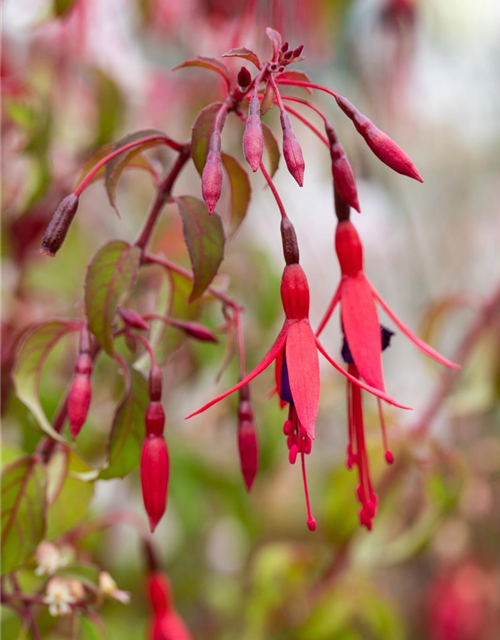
205,240
207,63
90,629
245,53
296,75
240,191
33,353
116,166
110,277
127,432
272,148
62,7
23,510
200,134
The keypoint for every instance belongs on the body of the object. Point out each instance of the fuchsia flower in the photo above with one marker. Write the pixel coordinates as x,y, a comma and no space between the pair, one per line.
296,350
166,623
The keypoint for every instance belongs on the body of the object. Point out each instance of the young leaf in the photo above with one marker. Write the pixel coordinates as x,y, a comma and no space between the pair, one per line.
205,240
33,352
23,510
295,74
200,134
127,432
207,63
110,277
272,148
90,163
275,38
245,53
240,191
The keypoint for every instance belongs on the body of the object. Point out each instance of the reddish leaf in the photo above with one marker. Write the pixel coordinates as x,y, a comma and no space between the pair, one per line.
275,38
239,184
207,63
200,135
272,148
295,74
245,53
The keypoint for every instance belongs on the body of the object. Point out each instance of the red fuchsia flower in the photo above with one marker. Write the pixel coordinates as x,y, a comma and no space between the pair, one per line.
296,349
166,623
247,439
80,394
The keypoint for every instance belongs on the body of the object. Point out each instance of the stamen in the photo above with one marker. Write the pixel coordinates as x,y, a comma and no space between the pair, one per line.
389,457
311,522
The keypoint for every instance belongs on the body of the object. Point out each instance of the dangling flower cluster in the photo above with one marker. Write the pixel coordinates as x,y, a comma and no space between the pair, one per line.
154,456
80,393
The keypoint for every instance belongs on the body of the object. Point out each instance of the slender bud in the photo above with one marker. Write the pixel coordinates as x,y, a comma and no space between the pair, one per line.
154,477
155,419
288,55
247,441
155,383
284,48
343,175
379,142
57,230
160,593
298,51
244,78
292,150
295,292
194,330
133,319
79,399
289,240
253,138
211,180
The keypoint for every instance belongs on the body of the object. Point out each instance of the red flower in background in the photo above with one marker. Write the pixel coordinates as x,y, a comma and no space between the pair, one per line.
166,623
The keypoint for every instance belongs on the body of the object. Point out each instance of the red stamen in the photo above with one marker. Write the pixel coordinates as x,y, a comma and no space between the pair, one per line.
388,453
311,522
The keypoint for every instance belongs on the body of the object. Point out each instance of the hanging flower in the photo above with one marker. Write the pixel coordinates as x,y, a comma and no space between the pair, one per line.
166,623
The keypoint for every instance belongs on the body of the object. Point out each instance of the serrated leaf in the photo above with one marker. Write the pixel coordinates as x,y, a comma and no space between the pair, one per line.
239,184
245,53
110,277
295,74
204,236
32,355
62,7
116,166
275,38
127,432
23,510
272,148
207,63
200,134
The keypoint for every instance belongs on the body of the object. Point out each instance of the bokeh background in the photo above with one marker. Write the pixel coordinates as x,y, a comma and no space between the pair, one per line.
428,73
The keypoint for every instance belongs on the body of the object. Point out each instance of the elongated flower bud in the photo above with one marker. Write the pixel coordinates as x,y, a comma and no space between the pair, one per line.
80,394
295,292
349,249
244,78
253,138
160,593
155,383
379,142
289,240
292,150
195,330
343,176
133,319
247,440
58,228
154,477
211,179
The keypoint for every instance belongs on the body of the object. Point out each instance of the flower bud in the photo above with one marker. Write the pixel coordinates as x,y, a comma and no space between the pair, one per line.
194,330
284,47
244,77
160,593
155,419
289,240
247,441
57,230
295,292
133,319
154,477
343,176
292,150
253,138
79,402
155,383
211,179
349,249
298,51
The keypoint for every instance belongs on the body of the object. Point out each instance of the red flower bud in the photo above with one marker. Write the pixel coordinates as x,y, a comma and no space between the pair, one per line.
247,444
253,138
349,249
155,419
295,292
343,175
133,319
155,383
154,477
292,150
160,593
57,230
382,146
194,330
244,77
79,402
289,241
211,179
298,51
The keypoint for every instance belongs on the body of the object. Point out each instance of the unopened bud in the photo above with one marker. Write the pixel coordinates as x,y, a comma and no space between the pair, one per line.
284,48
155,383
342,172
253,138
160,594
194,330
79,402
57,230
247,442
288,55
292,150
154,477
133,319
298,51
289,240
244,77
211,179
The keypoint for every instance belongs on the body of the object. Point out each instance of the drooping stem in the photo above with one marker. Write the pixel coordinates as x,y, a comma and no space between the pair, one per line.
274,191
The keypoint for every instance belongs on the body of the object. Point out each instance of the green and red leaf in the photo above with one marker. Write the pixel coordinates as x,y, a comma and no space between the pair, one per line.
296,75
241,191
272,148
200,134
207,63
244,53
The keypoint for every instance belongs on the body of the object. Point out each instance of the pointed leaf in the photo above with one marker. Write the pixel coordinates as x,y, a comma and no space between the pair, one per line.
32,355
362,328
110,277
127,432
275,38
205,240
245,53
297,75
239,184
23,510
200,134
207,63
303,373
272,148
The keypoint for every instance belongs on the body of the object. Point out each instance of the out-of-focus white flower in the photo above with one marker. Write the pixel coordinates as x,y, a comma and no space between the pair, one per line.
109,588
59,596
48,559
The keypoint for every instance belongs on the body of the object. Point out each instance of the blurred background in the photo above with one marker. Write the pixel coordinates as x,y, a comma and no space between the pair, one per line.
78,75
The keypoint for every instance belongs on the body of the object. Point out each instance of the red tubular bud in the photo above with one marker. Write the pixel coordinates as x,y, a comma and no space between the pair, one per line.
79,402
380,143
343,175
155,383
211,179
298,51
284,48
289,240
194,330
133,319
349,249
247,444
84,364
253,138
154,477
58,228
160,593
155,419
288,55
244,77
295,292
292,150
